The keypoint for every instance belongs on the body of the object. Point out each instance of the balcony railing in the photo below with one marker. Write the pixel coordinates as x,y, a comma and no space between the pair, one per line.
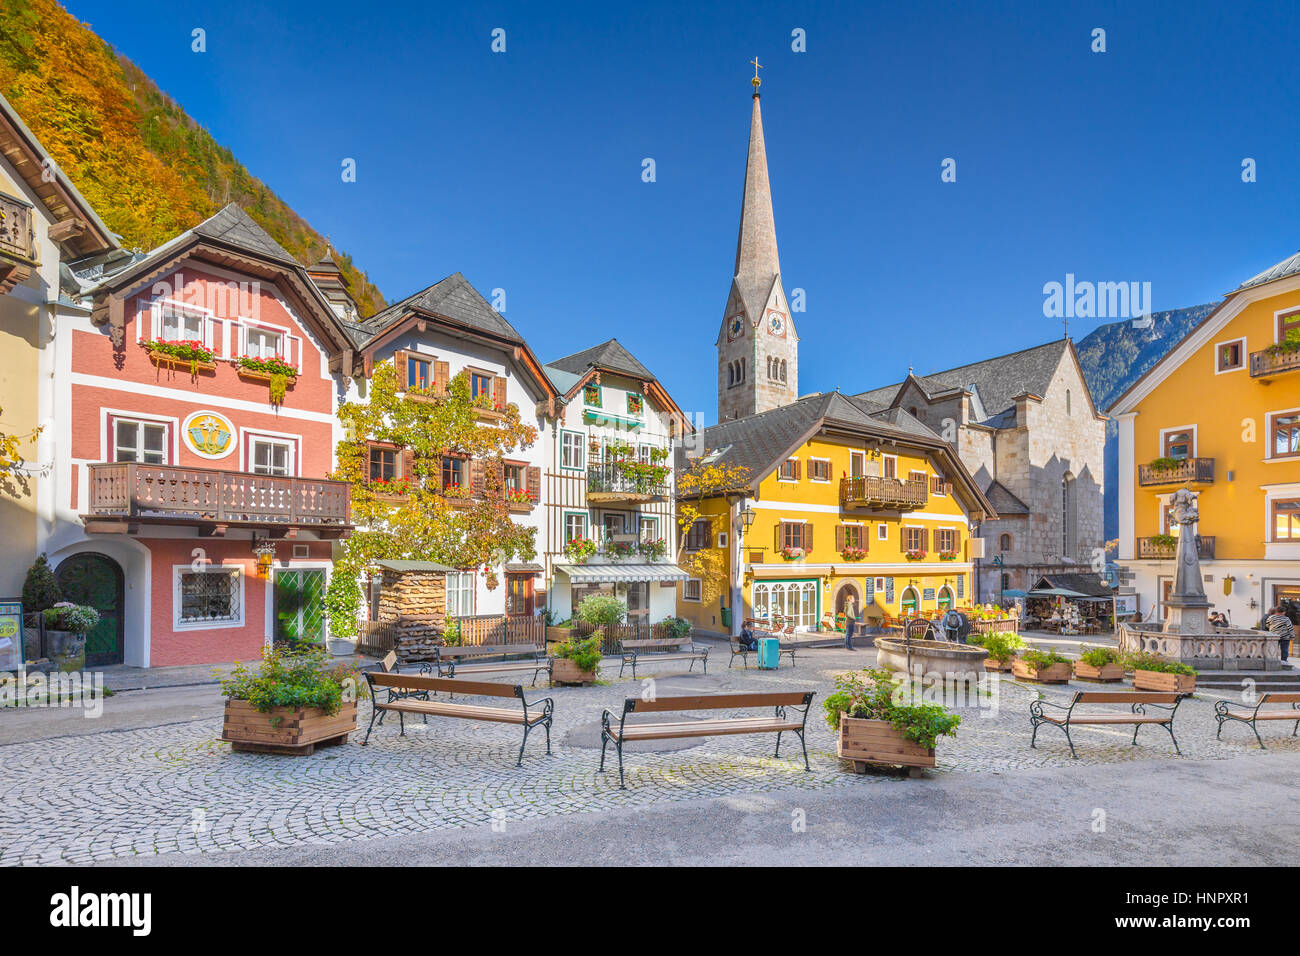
17,242
1160,548
1183,470
606,480
874,491
168,494
1272,361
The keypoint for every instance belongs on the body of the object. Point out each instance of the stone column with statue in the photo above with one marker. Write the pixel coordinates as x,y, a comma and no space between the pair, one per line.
1187,609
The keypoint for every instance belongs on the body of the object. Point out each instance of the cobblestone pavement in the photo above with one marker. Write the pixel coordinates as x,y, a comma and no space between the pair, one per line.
176,788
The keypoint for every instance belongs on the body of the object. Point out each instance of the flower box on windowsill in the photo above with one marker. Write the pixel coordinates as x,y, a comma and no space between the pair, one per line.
162,359
257,375
490,414
520,507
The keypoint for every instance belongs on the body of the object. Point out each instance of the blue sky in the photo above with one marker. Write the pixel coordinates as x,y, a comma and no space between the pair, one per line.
523,169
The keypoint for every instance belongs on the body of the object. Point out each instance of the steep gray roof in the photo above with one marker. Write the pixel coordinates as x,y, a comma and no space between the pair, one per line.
235,227
1004,501
998,380
1287,267
609,355
453,298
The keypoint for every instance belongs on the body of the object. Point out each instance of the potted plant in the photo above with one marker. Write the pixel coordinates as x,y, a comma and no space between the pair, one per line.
579,549
947,555
1163,464
653,550
290,704
1153,672
556,631
853,554
66,627
519,500
914,554
1290,342
618,550
793,554
1099,663
878,725
390,489
275,371
1164,542
1002,647
1044,667
190,354
576,662
40,592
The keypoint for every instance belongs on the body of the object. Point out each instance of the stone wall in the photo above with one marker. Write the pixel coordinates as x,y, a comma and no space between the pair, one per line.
414,605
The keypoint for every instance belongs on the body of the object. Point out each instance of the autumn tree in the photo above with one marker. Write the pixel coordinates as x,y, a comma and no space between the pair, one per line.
414,516
12,480
700,481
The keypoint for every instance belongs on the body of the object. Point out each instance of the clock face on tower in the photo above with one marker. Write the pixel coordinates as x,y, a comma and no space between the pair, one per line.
776,323
736,327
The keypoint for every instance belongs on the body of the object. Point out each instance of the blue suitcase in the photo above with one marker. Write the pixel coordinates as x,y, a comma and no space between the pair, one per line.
769,653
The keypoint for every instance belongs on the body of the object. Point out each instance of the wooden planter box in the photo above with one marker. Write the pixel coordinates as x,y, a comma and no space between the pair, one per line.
299,730
991,665
1114,671
559,634
162,359
519,507
1165,683
1055,674
392,499
877,742
564,671
257,375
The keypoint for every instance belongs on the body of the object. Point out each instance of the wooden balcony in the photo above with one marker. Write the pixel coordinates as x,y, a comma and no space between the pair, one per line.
1153,548
125,495
889,494
1183,471
1271,362
18,257
606,482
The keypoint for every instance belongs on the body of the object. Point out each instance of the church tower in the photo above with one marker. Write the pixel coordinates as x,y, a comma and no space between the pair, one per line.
758,350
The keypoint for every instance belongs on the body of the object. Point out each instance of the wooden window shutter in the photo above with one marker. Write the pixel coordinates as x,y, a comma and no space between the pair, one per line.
441,375
807,536
798,469
477,477
956,540
925,539
499,391
839,537
535,483
779,543
407,467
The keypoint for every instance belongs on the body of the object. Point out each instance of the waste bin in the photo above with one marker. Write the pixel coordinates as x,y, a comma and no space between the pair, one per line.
769,653
726,617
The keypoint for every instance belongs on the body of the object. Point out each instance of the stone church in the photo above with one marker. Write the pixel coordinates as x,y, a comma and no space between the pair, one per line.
1023,424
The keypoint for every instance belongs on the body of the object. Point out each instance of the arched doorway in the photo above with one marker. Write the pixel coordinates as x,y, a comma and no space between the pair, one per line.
846,593
945,598
908,602
96,580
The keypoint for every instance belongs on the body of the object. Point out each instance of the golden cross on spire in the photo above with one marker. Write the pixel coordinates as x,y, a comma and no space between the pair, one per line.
757,66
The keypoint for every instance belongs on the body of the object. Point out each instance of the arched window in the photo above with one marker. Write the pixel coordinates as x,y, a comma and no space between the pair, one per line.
945,598
783,370
1004,543
742,370
1006,581
1069,517
1067,401
907,603
731,375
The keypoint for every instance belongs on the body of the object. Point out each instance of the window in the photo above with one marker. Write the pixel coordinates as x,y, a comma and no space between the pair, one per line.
453,474
1286,520
575,526
945,539
144,442
516,478
1285,440
937,485
519,594
178,323
263,343
1229,355
418,373
882,532
383,463
1178,443
691,589
819,469
853,537
1288,323
913,539
1004,543
1067,401
891,466
208,597
573,452
907,604
697,539
1006,581
612,524
916,476
855,464
944,601
591,395
480,385
789,470
794,534
460,593
783,368
793,602
272,457
649,529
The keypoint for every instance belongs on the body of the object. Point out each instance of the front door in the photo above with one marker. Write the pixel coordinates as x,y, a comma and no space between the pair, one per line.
96,580
300,605
519,594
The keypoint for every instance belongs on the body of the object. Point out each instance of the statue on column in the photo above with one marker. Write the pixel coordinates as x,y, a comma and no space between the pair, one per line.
1187,604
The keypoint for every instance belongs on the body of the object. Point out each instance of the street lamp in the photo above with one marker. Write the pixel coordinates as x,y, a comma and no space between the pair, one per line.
747,519
1002,581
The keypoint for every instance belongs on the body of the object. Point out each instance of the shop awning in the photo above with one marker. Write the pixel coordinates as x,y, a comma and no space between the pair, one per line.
631,573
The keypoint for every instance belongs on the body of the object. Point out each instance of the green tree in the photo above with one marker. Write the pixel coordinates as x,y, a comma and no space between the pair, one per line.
416,517
40,589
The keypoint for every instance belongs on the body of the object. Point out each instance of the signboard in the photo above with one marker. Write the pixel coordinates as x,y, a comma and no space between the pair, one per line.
889,590
961,586
870,591
927,594
11,635
1126,604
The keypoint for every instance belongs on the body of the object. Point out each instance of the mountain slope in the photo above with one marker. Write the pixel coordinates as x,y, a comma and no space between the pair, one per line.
147,168
1113,357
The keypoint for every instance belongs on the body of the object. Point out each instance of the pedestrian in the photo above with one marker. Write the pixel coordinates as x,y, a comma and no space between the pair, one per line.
850,621
1280,626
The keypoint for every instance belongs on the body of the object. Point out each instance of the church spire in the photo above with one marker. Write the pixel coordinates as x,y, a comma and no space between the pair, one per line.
757,263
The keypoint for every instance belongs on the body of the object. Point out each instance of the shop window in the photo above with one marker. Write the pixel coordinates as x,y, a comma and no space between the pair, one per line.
210,597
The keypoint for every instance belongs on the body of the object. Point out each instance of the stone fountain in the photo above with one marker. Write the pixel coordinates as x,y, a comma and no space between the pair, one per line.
1186,634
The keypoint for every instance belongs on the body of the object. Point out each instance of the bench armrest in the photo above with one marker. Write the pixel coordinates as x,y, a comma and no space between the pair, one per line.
1049,703
547,704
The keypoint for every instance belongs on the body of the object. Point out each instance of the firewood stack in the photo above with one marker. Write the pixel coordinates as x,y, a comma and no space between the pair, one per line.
414,605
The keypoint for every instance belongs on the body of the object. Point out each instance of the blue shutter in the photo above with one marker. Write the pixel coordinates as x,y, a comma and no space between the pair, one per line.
870,591
889,590
961,586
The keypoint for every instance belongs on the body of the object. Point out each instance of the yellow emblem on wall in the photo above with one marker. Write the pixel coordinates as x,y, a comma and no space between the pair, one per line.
209,434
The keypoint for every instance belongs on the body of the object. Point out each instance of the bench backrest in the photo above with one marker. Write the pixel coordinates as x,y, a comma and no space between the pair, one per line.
487,650
1275,697
719,701
1126,697
389,663
666,642
450,685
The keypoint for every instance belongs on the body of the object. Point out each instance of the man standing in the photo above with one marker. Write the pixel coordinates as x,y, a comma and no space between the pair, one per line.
1280,626
850,621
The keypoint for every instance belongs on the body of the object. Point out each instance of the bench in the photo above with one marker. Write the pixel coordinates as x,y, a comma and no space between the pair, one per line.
1223,711
740,650
528,715
662,649
492,658
779,723
1065,716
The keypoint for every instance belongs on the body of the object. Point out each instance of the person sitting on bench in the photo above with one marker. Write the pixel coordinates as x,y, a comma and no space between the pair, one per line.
747,639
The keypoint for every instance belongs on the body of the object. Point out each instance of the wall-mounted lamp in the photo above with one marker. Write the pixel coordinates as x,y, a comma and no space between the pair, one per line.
265,553
747,519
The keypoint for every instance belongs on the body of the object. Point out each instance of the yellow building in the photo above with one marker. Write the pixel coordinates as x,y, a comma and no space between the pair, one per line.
1220,414
837,502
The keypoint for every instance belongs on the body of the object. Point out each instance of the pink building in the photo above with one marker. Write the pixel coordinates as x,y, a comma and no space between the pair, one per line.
195,390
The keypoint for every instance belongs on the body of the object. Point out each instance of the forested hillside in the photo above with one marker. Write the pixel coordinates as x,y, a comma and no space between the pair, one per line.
148,169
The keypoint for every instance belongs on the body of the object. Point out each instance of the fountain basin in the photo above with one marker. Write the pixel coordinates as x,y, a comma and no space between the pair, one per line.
931,657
